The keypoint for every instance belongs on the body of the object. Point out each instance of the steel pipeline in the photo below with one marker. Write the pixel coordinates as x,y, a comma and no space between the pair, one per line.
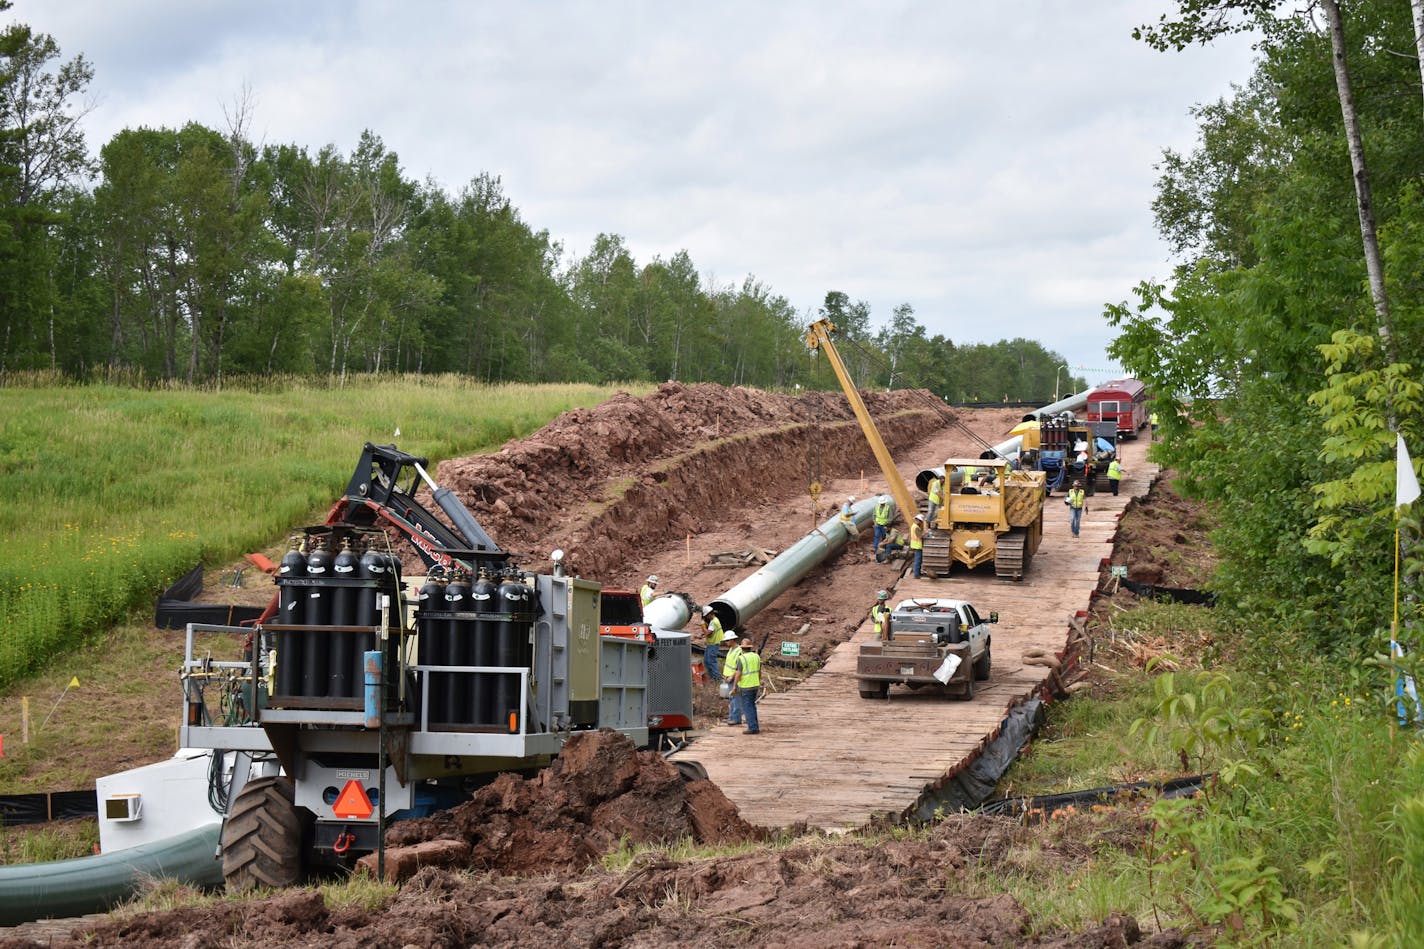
743,601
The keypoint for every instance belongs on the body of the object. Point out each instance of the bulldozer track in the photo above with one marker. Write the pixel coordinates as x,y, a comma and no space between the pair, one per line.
830,758
937,555
1010,554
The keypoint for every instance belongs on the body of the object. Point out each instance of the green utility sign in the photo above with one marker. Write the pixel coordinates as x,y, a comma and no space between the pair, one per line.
1119,571
791,649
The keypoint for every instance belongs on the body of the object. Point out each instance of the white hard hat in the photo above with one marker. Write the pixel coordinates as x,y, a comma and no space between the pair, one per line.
707,611
850,497
884,499
653,580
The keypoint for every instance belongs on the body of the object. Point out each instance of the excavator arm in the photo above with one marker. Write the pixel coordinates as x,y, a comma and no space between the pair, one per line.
818,337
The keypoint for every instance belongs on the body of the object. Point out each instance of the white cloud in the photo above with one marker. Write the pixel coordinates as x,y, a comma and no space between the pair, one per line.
991,164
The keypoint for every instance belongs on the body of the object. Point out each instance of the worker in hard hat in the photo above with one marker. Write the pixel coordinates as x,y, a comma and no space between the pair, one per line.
649,590
880,614
729,676
1076,500
847,518
935,490
748,683
884,514
917,544
713,648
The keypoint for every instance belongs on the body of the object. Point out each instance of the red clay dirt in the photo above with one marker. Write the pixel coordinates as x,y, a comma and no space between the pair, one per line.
655,485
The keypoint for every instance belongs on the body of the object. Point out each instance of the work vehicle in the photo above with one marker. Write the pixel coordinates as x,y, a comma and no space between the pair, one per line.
928,643
358,703
991,514
1068,451
1123,401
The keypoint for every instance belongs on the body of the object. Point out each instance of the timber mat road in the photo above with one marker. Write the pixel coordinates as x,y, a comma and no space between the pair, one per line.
836,761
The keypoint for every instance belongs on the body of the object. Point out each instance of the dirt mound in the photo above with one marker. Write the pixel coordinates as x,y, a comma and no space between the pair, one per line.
812,892
598,482
600,790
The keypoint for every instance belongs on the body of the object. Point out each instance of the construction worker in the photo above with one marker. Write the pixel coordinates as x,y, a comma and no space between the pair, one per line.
729,674
935,489
1114,475
649,590
1153,419
917,544
748,684
847,518
1076,500
880,613
884,514
715,635
894,546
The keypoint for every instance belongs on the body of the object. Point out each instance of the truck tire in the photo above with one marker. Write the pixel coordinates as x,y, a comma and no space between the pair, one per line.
982,665
262,837
874,690
968,694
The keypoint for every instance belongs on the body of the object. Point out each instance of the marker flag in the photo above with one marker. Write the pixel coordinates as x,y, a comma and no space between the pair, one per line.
1406,482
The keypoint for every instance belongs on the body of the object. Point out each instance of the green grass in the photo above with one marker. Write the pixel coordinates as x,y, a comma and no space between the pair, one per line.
107,494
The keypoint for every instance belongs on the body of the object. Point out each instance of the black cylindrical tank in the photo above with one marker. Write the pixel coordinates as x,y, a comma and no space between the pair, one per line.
343,613
374,565
315,661
481,694
457,649
430,626
291,605
511,645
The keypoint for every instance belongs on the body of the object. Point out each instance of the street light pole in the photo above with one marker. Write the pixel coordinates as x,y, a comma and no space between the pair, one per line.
1055,380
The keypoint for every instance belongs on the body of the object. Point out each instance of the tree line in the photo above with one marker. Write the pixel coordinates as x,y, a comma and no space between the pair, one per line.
192,254
1290,335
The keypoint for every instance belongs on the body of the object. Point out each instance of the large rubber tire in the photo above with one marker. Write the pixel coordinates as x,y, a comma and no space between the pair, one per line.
982,665
874,690
968,694
262,838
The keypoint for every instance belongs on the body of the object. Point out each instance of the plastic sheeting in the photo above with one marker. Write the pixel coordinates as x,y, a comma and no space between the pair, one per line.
1048,803
175,608
972,786
56,805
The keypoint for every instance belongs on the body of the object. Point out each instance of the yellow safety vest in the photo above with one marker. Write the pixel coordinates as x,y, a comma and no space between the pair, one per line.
917,536
1114,470
750,677
877,616
730,662
715,634
882,515
936,486
647,594
1075,497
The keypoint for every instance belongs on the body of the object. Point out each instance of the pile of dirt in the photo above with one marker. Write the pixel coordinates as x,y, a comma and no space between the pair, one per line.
813,892
602,481
601,790
1164,539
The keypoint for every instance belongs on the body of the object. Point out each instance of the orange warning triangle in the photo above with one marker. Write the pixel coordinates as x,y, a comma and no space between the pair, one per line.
352,803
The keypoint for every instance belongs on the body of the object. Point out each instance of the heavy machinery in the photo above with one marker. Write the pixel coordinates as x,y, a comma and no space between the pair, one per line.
363,703
991,513
818,339
938,643
1068,451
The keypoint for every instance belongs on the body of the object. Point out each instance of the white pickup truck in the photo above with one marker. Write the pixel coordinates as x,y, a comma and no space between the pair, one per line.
934,643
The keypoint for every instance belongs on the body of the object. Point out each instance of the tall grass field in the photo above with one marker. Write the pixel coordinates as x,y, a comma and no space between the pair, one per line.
109,493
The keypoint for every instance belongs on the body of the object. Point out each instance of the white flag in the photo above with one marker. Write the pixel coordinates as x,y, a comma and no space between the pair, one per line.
1406,483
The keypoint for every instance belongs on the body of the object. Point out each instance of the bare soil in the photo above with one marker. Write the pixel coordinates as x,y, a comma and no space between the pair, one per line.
656,485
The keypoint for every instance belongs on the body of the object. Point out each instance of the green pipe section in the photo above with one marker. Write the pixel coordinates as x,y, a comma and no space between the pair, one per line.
31,891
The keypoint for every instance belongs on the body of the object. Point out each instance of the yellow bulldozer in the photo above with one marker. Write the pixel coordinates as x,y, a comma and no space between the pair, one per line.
990,513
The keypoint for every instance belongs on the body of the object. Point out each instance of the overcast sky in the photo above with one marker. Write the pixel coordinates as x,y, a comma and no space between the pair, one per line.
991,164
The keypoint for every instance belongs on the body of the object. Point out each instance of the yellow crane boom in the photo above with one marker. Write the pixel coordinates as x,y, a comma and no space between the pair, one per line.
818,337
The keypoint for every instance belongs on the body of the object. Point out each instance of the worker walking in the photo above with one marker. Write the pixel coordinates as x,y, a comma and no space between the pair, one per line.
935,490
748,671
649,590
917,544
715,634
1153,419
729,675
1114,475
1076,500
884,514
880,613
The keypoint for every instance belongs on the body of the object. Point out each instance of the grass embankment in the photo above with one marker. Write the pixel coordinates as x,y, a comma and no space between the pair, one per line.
110,493
1312,832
